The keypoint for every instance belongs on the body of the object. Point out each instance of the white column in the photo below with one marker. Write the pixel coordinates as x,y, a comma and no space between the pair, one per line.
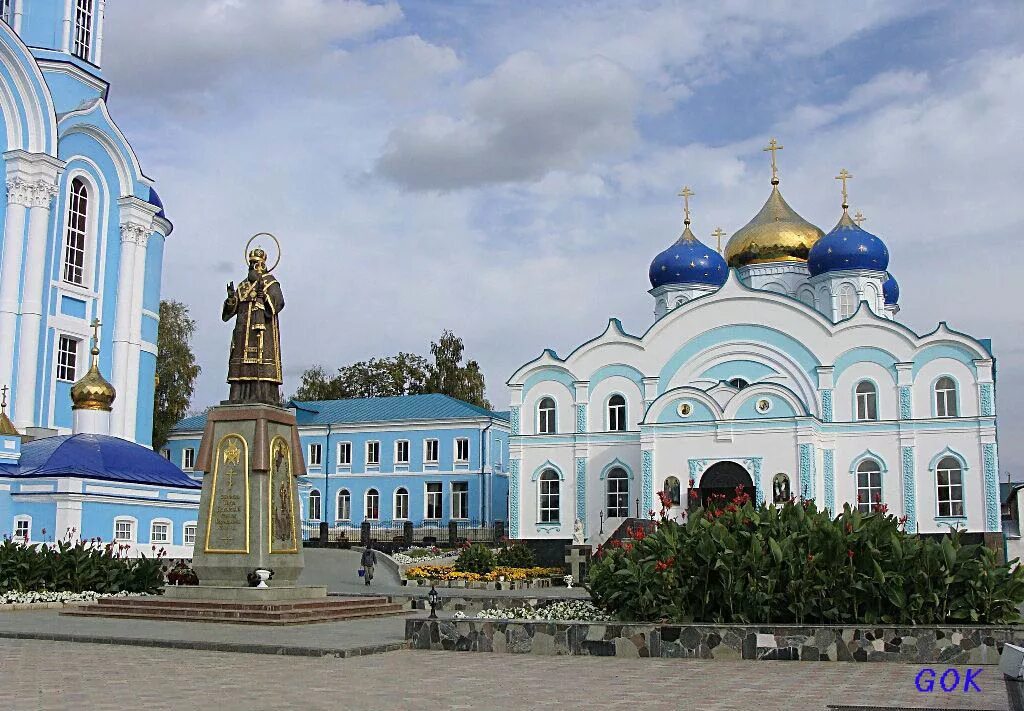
19,194
90,422
131,392
97,53
19,10
36,280
66,41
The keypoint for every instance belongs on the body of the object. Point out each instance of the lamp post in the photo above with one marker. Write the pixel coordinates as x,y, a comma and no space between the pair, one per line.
601,516
433,598
638,507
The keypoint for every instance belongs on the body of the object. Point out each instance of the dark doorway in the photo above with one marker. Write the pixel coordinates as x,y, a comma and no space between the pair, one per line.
723,478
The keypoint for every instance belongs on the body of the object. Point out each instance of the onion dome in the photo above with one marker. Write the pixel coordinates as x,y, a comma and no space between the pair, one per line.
890,290
154,199
688,261
92,391
848,246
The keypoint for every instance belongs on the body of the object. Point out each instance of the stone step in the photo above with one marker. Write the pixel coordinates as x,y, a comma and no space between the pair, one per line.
190,614
186,608
323,603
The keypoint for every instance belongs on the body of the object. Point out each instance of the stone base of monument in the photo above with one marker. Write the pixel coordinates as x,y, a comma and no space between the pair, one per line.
227,593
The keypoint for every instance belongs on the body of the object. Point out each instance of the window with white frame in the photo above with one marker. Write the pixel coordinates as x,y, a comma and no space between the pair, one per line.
124,529
867,400
945,397
433,500
499,457
847,301
67,359
616,493
23,528
344,454
460,499
869,486
76,234
188,534
344,505
160,532
546,416
461,450
401,503
83,29
165,453
548,506
188,458
314,505
616,413
431,448
373,454
315,454
949,481
402,452
372,505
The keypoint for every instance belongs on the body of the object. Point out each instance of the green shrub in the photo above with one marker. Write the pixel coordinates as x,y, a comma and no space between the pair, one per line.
76,566
739,563
516,556
476,558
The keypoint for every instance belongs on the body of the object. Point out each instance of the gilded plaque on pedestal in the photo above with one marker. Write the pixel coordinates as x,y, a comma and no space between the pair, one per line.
283,534
227,527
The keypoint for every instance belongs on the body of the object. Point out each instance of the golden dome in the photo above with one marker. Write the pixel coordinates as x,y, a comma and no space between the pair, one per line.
6,426
92,391
776,234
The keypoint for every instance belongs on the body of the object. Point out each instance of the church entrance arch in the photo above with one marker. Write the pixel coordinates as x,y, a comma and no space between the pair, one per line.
723,478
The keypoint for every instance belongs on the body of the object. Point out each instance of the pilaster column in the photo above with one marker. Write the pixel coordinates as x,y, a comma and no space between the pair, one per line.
131,391
97,53
68,20
904,384
19,196
582,396
826,375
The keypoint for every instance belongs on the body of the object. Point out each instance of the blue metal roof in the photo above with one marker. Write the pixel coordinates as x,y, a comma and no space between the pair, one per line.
372,409
95,456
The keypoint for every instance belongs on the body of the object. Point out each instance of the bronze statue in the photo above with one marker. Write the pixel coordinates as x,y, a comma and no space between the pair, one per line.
254,366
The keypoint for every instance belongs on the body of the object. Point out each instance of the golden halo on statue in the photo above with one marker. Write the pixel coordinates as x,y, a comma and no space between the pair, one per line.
276,243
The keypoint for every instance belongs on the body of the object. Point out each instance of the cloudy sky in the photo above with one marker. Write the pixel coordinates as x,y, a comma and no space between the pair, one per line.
509,169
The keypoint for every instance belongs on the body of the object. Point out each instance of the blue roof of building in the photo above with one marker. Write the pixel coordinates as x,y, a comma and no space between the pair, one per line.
688,261
891,290
154,199
93,456
847,246
373,409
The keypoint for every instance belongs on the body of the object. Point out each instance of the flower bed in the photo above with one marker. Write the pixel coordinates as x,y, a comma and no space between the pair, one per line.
49,596
568,610
448,572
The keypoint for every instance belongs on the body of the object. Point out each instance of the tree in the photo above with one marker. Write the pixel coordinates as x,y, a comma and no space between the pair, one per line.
450,377
176,369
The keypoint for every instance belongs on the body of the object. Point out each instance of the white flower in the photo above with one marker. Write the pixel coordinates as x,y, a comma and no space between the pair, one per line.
459,614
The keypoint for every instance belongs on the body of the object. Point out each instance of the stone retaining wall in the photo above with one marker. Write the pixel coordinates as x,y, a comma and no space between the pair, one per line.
916,645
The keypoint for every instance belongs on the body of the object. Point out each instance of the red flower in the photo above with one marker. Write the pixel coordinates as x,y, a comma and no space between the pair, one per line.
639,534
615,543
666,500
810,558
627,547
629,531
849,554
693,494
849,528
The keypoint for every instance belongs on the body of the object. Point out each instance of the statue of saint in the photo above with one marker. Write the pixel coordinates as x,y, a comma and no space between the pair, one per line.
254,366
578,539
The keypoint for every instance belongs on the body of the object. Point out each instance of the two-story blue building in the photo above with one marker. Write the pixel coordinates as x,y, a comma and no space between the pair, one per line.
418,458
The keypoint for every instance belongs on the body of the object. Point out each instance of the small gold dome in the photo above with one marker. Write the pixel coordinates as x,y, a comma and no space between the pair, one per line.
92,391
776,234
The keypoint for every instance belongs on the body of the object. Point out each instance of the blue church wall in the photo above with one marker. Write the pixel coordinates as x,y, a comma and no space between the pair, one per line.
147,393
154,274
699,413
68,92
98,519
778,408
41,23
44,516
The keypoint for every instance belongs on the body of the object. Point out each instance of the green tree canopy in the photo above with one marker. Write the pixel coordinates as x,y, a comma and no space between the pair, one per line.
176,369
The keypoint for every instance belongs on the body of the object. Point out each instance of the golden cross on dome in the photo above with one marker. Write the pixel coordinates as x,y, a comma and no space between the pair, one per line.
96,323
773,146
859,217
844,175
718,234
3,404
686,194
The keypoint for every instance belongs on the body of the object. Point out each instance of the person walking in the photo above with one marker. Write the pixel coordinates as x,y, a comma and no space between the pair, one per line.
368,560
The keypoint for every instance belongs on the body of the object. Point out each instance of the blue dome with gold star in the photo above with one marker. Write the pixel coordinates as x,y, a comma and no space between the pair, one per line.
847,246
891,290
688,261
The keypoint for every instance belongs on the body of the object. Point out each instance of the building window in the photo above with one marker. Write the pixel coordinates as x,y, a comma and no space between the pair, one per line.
372,505
344,454
67,359
75,236
461,450
433,510
401,503
373,454
189,534
945,397
402,451
617,413
344,505
165,453
499,462
739,383
124,529
23,529
617,494
430,448
847,301
160,532
188,458
460,499
314,505
5,11
549,504
83,29
949,478
546,416
315,454
867,401
673,491
869,486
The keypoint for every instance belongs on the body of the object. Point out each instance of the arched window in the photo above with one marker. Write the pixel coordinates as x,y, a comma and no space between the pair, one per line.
617,413
83,29
945,397
847,301
314,505
949,482
867,401
549,497
807,297
672,489
372,505
739,383
401,503
76,233
869,486
546,416
344,505
616,494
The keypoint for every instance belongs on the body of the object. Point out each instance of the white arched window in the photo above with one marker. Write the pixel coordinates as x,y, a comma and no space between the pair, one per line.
867,400
549,497
949,483
945,397
372,505
344,505
616,487
617,413
83,29
314,505
738,383
847,301
160,531
869,485
76,234
546,416
401,503
807,297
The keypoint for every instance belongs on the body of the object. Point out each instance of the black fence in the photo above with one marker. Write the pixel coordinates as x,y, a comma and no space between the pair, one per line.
399,534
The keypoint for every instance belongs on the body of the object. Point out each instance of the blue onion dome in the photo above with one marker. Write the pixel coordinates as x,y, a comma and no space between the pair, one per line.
154,199
891,290
688,261
847,246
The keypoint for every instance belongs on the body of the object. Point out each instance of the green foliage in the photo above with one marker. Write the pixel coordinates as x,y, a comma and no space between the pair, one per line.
737,563
76,566
176,369
476,558
516,556
448,376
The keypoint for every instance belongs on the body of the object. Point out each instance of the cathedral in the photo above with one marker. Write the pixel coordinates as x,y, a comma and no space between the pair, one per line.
779,366
83,230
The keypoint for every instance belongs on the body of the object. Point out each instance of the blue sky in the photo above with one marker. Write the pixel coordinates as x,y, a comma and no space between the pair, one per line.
508,170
